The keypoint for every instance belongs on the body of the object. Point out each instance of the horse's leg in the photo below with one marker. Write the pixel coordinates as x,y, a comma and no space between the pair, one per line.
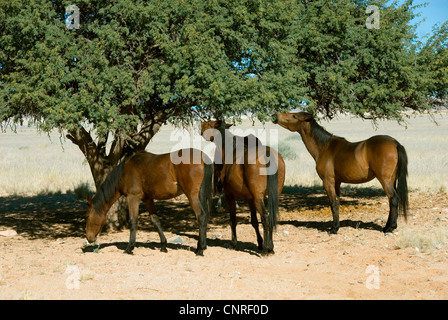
133,204
389,188
149,203
254,223
201,217
333,191
220,204
268,244
231,203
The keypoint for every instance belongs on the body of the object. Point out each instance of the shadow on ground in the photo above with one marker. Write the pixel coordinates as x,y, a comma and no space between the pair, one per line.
62,215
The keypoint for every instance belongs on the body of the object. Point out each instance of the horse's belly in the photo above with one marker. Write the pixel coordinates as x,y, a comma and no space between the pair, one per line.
356,180
351,165
357,175
166,190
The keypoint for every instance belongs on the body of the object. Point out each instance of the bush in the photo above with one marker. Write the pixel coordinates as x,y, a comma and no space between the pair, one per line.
425,242
286,151
82,191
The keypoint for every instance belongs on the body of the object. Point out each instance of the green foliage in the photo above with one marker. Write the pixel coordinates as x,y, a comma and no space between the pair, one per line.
133,65
131,60
367,72
434,55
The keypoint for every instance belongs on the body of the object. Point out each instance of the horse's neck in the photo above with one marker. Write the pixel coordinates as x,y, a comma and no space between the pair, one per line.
103,206
311,144
233,144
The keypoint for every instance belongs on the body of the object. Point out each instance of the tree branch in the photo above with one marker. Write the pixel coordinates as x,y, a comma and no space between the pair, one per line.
140,140
102,142
84,141
116,149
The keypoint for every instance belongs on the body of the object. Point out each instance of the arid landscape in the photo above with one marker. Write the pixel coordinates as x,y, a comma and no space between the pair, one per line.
39,200
45,259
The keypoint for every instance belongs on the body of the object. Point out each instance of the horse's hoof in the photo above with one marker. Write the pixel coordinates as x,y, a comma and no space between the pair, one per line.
163,250
388,231
267,252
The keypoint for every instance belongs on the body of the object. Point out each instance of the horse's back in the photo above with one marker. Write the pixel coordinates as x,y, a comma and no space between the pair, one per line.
163,176
381,147
382,154
246,177
359,162
146,164
149,175
190,171
382,141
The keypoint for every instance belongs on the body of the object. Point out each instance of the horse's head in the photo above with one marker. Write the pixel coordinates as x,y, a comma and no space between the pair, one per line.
293,121
95,221
210,125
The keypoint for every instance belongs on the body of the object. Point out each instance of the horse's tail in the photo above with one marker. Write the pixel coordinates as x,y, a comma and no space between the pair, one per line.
206,190
402,187
272,190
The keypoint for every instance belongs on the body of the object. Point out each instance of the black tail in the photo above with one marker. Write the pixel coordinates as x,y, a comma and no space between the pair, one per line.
206,190
272,190
402,187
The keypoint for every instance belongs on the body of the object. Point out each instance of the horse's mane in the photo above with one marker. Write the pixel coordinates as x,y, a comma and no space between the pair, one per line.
321,135
245,140
106,191
239,141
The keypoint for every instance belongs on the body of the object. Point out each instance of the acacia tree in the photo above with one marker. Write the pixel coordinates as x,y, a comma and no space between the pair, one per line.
434,55
371,69
133,65
110,84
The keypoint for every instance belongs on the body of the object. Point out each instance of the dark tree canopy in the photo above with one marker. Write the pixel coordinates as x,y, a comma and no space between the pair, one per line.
434,59
133,65
110,84
366,71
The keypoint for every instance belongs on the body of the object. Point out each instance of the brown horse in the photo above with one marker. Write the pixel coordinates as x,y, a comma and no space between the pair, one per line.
340,161
241,163
147,177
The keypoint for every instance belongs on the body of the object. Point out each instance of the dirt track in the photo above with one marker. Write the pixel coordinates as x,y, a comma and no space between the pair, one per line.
45,261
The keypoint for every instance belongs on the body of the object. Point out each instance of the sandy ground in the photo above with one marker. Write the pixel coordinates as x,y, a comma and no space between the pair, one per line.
45,260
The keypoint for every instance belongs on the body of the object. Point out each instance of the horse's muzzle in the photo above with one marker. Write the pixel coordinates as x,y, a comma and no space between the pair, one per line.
90,239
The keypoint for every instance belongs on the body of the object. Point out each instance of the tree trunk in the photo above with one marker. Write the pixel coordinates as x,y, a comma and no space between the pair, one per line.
101,163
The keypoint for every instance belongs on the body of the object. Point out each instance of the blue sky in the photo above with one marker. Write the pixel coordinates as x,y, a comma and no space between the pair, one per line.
436,11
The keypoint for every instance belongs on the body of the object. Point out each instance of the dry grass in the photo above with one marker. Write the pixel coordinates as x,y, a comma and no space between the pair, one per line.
308,263
426,144
34,164
423,241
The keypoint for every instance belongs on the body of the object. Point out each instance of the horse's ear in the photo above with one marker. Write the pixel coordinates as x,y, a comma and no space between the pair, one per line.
220,124
305,116
89,201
